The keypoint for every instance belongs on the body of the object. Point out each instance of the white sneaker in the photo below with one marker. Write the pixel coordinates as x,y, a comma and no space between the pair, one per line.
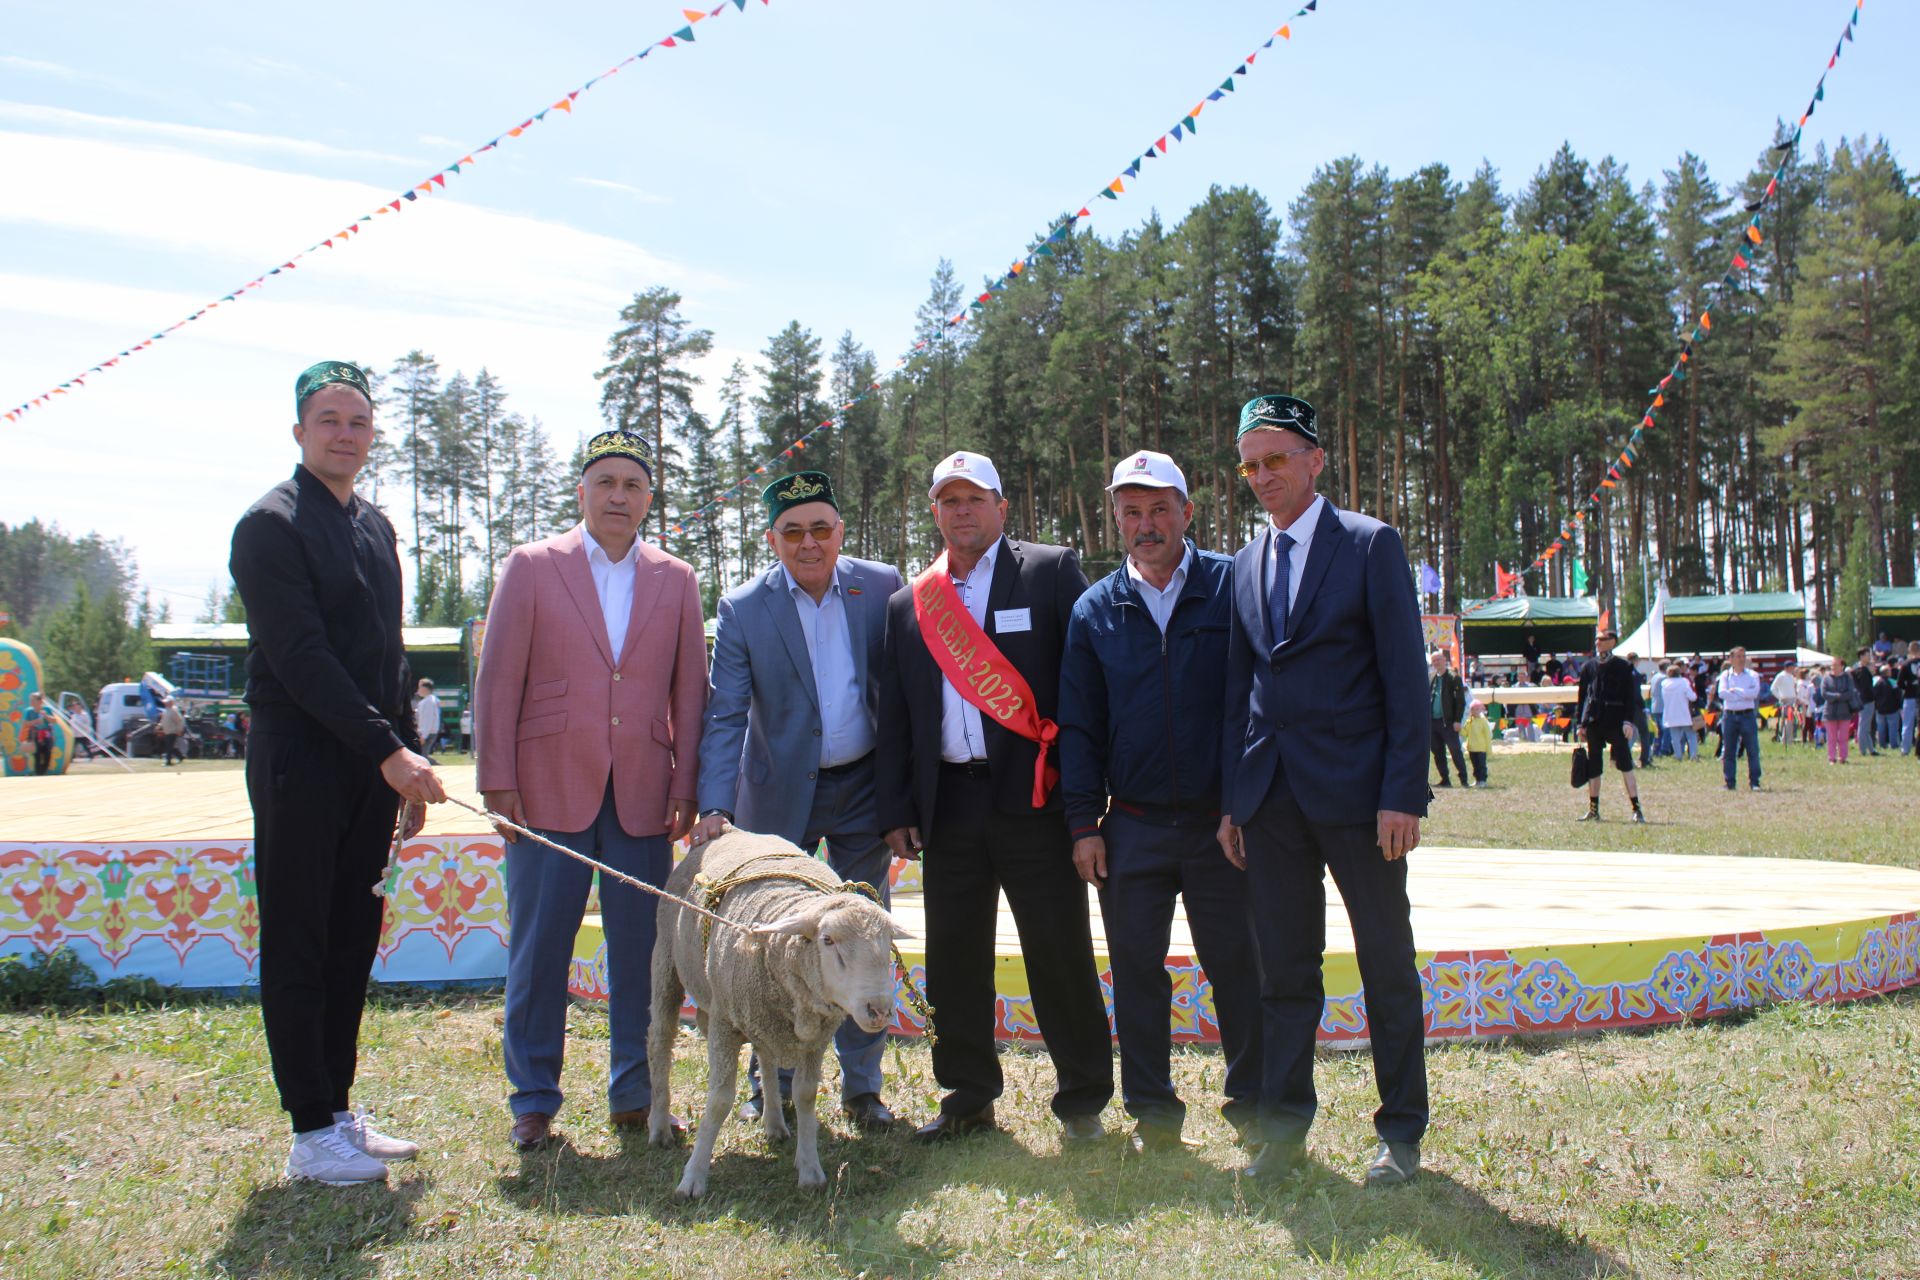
354,1127
326,1156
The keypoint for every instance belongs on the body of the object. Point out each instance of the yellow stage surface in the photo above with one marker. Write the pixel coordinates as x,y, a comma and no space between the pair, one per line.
156,863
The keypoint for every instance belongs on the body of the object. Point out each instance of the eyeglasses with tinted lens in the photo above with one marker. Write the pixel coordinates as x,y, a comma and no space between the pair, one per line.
796,534
1272,462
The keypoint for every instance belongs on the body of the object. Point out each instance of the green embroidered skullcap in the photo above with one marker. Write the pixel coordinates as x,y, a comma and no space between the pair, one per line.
795,490
1289,413
618,444
325,374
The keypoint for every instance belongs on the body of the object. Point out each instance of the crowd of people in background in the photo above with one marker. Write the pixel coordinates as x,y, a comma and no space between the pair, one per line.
1690,709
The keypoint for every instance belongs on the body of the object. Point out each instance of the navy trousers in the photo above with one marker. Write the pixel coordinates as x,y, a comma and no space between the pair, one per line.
546,899
845,813
1286,855
1148,866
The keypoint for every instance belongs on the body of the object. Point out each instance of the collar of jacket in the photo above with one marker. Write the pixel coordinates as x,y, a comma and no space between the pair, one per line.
1124,592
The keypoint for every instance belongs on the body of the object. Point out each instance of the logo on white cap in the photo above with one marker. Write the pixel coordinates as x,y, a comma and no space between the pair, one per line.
1148,470
975,468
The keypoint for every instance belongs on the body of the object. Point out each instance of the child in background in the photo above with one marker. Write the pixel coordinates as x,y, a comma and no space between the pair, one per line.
1479,739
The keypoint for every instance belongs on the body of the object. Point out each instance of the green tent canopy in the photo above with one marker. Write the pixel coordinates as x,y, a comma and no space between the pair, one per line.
1759,620
1896,611
1558,624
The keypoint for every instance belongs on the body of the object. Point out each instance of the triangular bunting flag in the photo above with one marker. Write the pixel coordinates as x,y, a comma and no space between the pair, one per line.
1285,33
685,34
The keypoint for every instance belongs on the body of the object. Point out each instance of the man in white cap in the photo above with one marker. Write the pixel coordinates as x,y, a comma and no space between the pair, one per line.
969,685
1142,688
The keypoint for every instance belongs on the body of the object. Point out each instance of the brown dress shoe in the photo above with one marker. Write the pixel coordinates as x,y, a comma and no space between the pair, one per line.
638,1120
952,1125
532,1130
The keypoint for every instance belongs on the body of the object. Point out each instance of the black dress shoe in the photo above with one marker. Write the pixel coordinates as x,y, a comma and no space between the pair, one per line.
1079,1129
869,1114
953,1125
1275,1160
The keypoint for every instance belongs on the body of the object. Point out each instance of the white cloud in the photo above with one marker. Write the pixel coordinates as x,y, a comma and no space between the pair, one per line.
37,67
608,184
206,412
196,137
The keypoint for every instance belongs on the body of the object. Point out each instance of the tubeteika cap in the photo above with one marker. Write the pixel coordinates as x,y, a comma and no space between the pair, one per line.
618,444
325,374
797,490
1289,413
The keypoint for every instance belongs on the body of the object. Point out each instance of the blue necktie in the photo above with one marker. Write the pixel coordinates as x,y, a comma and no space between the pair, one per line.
1282,583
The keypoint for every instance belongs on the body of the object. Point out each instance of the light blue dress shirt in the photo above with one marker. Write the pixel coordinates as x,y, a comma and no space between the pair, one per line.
846,726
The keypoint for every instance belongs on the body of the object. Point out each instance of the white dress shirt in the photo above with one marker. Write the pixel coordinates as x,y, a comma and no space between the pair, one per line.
1160,603
613,583
846,728
1739,690
961,736
1301,531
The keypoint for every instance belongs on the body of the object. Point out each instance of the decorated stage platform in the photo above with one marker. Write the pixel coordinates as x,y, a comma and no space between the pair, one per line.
151,874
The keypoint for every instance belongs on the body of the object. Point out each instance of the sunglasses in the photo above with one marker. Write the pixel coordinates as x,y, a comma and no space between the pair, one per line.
795,534
1272,462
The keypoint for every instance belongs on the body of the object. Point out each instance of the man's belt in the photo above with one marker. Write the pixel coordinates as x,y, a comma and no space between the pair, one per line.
965,768
841,770
978,671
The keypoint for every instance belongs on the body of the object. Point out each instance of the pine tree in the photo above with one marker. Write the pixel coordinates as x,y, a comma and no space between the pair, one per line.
648,380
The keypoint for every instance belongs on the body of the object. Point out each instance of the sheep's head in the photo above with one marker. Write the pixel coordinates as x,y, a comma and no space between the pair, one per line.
854,939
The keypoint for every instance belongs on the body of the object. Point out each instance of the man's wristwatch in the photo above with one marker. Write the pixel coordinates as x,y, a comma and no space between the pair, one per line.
708,813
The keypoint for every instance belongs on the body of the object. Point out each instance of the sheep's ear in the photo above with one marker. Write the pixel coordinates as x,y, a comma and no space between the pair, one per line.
900,930
795,926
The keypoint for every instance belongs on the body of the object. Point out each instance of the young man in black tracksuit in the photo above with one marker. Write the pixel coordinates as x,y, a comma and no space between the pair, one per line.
1142,685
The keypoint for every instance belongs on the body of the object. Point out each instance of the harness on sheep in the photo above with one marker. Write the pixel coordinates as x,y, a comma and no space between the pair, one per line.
711,892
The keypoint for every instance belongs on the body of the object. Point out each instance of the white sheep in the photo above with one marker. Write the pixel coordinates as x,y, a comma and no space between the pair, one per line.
817,955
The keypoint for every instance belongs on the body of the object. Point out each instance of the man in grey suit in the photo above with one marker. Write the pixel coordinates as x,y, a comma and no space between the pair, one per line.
788,746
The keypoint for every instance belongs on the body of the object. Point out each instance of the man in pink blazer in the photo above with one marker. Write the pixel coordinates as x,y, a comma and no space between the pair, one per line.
589,701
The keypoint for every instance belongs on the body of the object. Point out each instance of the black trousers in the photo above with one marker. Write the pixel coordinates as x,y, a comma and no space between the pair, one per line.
322,820
1148,867
1444,737
973,852
1285,856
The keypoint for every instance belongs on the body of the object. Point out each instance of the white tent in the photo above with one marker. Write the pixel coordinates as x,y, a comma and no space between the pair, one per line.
1649,639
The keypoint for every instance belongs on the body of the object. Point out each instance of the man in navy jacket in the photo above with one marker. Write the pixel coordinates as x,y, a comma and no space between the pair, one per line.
1141,687
1324,767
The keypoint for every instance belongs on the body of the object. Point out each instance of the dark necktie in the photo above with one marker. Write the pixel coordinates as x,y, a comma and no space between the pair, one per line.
1277,607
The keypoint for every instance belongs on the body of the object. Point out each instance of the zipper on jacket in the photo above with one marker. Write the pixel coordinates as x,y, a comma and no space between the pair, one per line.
1166,690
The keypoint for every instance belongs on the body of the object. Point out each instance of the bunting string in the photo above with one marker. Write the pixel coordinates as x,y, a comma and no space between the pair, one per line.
1183,129
435,181
1739,264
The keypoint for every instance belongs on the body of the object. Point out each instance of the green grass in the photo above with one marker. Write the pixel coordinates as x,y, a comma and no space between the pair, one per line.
1862,812
1781,1144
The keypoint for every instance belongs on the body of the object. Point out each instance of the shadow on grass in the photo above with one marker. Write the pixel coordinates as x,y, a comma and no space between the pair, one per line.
302,1229
876,1182
1329,1217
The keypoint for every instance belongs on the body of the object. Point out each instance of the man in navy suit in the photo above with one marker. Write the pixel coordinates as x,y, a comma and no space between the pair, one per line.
1324,769
788,747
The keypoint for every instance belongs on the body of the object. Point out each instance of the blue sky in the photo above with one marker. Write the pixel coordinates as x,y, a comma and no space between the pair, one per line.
801,160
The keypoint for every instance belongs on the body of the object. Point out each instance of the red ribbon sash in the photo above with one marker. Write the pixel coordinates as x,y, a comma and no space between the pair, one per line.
978,671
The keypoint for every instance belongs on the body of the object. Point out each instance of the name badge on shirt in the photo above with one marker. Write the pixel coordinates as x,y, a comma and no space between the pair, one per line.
1005,620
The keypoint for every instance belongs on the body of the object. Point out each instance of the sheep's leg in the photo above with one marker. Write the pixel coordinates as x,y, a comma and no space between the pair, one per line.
772,1114
806,1092
668,992
723,1069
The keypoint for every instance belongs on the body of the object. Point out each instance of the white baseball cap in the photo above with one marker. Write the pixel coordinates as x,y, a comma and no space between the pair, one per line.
1148,470
976,468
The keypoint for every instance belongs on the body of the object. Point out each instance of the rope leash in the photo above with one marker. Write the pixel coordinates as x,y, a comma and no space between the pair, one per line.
713,890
